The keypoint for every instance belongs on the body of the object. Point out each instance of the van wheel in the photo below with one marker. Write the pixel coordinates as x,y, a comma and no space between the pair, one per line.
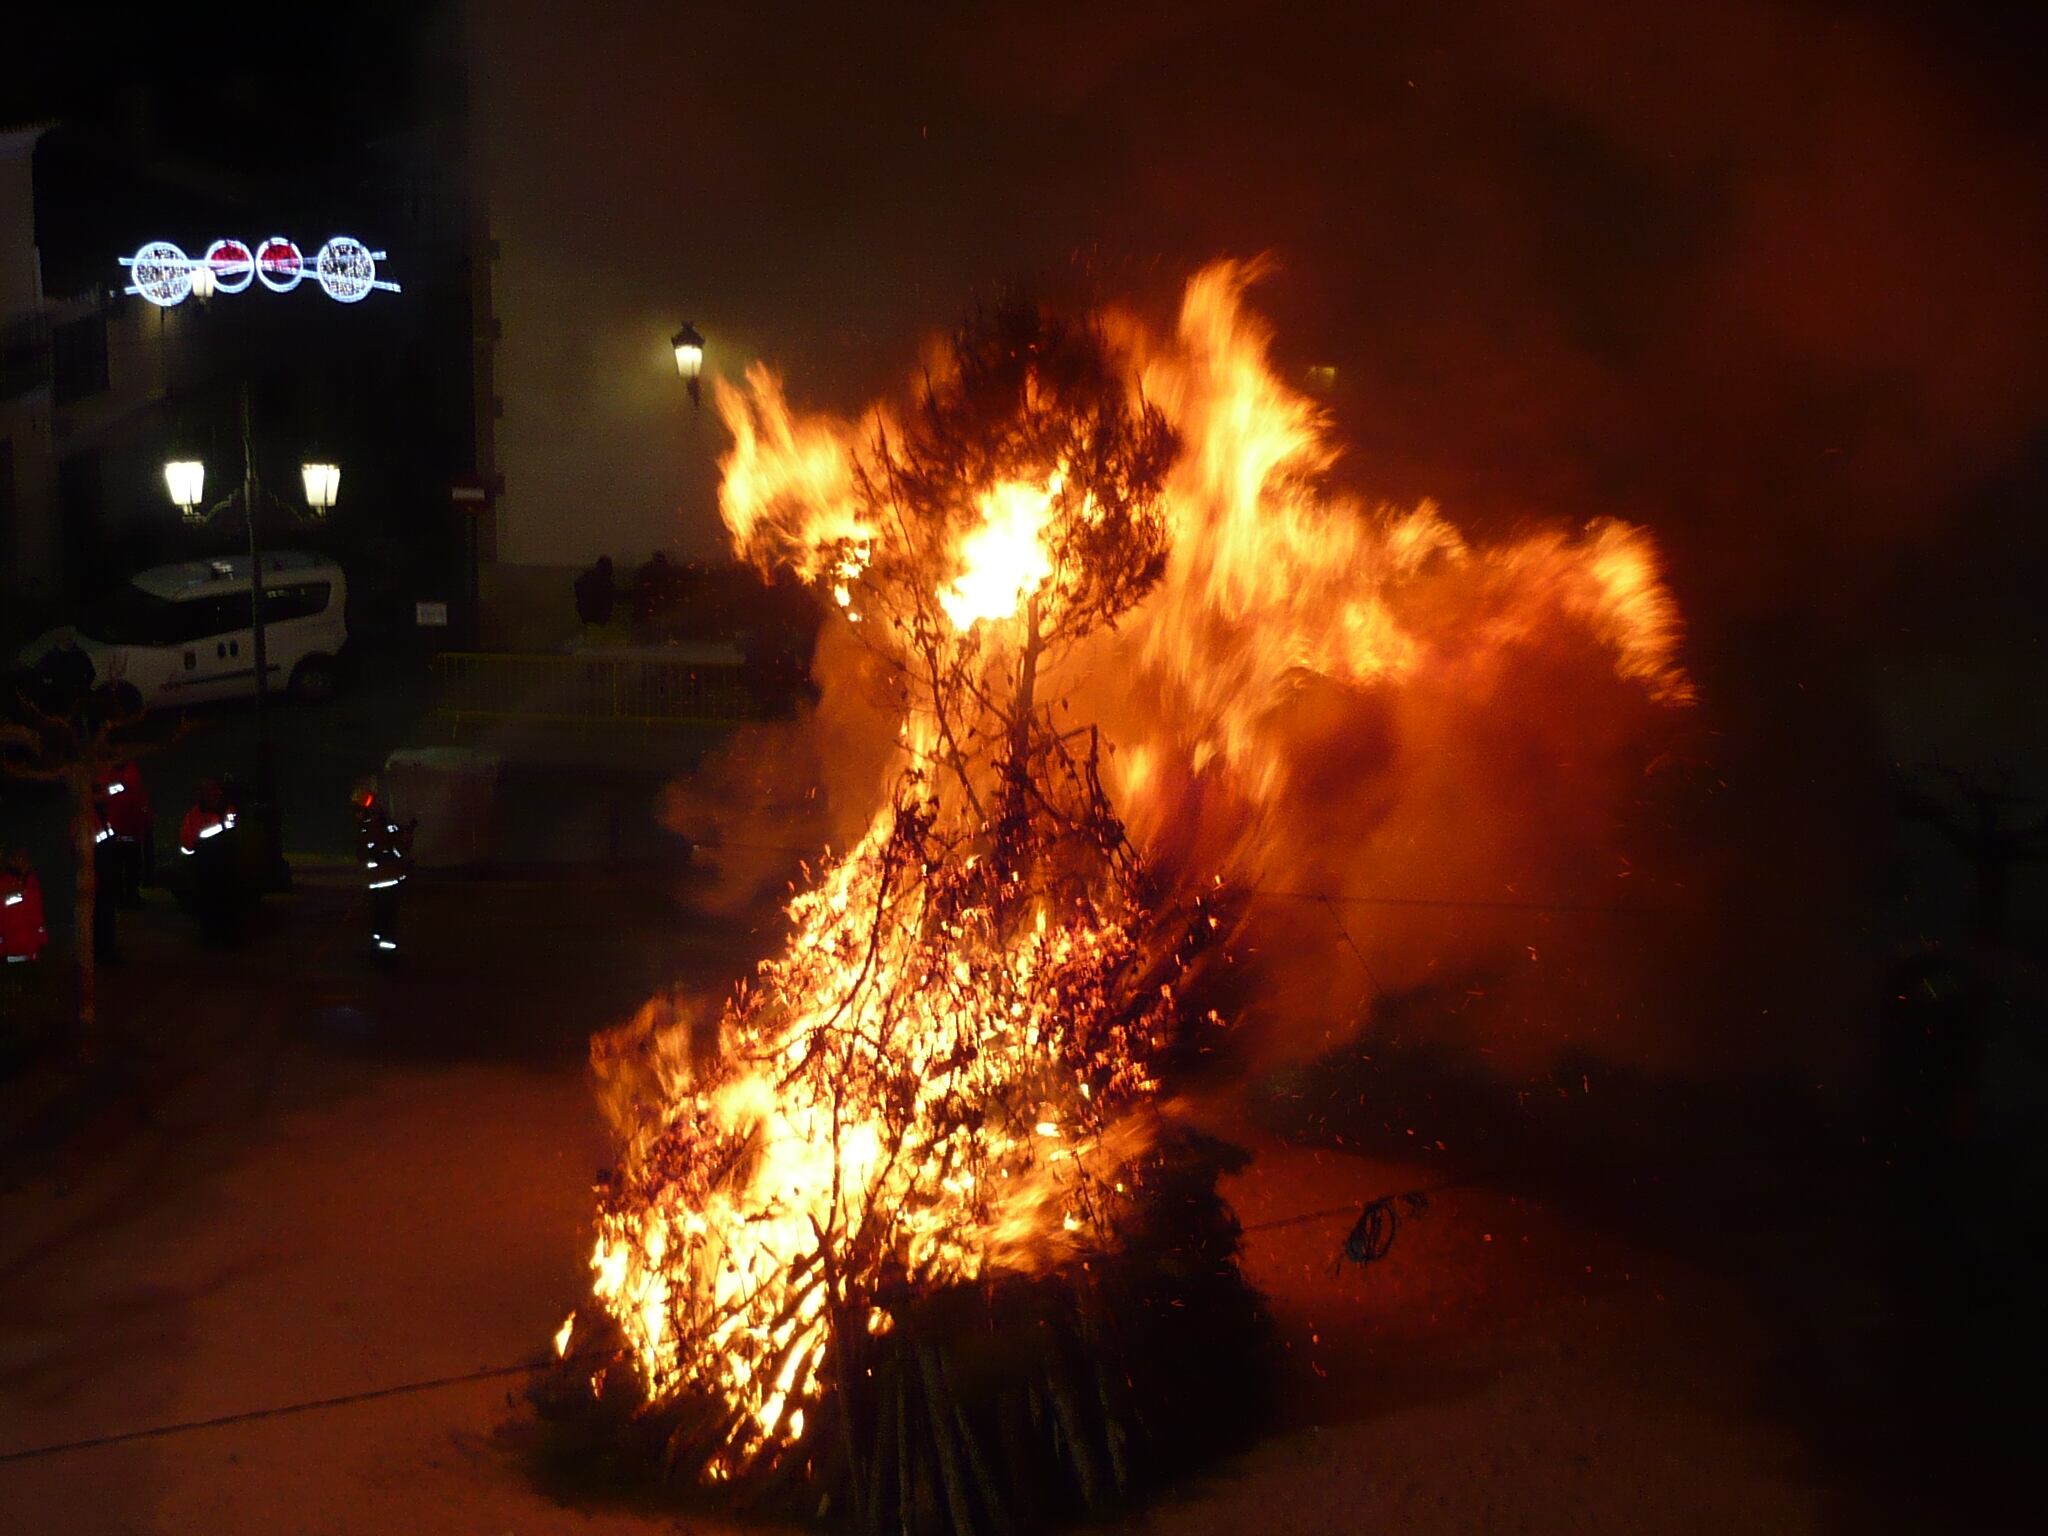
128,699
313,680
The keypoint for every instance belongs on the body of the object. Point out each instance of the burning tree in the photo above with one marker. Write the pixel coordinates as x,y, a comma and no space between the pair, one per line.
900,1234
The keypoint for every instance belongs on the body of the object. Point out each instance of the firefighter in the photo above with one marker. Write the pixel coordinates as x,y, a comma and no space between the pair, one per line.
23,932
211,815
386,851
206,849
119,788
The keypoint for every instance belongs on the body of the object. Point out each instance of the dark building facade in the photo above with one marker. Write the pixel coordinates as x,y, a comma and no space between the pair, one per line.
99,387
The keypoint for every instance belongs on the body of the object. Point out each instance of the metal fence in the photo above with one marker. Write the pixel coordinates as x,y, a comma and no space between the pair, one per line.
636,692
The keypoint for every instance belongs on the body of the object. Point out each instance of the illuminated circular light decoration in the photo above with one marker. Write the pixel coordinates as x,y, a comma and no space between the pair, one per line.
280,266
232,266
345,268
161,273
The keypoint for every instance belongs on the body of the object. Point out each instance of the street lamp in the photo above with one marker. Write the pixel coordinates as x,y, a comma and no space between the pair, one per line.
186,481
323,484
689,347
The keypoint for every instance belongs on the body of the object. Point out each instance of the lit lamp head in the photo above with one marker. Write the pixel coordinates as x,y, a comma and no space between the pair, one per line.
689,347
323,484
204,283
185,479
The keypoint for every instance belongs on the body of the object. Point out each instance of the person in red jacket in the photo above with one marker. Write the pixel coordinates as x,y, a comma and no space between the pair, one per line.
22,930
107,874
125,804
206,843
211,815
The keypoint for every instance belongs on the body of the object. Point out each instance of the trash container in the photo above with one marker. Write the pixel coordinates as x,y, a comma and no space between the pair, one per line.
453,792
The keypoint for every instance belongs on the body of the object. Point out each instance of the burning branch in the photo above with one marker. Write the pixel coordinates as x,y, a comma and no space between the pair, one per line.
944,1083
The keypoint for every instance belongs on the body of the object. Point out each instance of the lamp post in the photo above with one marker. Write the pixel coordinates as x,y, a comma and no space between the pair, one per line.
255,596
185,480
689,347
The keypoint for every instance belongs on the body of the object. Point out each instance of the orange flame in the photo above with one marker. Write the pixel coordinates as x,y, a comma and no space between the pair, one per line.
1003,561
788,489
835,1112
844,1118
1276,584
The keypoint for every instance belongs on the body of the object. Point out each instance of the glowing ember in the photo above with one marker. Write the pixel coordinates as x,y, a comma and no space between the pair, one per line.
1003,560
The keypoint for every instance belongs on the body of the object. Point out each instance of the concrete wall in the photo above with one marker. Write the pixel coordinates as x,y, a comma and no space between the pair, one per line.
527,607
596,447
643,166
21,284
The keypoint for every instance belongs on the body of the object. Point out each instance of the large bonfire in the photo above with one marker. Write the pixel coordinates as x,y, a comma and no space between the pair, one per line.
900,1233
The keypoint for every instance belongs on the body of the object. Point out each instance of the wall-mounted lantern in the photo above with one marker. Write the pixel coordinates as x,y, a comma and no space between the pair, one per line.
689,347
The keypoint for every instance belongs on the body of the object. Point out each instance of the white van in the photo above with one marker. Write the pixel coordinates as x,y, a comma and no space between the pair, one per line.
180,634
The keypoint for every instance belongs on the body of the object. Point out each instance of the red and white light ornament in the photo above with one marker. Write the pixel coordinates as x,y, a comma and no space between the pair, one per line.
344,267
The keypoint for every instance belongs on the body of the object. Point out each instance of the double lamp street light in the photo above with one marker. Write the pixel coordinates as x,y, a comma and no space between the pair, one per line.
185,480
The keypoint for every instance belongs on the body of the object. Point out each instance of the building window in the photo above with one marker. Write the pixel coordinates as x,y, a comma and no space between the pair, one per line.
301,600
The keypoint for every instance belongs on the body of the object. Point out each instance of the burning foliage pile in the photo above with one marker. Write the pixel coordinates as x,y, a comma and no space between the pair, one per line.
900,1236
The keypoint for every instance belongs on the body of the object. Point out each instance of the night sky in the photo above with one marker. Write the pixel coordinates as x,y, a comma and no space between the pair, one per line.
1765,277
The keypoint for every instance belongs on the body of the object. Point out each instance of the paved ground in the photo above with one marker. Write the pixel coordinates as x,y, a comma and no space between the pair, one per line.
313,1180
1640,1306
